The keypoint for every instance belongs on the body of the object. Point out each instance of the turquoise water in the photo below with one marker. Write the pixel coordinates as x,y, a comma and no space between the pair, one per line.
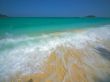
30,26
25,43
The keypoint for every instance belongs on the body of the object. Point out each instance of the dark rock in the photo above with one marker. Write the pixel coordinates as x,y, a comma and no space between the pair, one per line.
103,52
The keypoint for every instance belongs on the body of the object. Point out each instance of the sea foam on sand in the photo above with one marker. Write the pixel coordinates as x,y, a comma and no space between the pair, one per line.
65,57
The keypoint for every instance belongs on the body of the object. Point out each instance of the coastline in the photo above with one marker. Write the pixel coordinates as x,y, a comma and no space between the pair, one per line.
68,63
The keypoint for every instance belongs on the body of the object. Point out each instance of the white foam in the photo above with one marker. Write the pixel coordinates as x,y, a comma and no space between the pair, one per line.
28,53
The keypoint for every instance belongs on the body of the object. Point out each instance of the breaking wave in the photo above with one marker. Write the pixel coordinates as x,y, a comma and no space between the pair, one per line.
27,55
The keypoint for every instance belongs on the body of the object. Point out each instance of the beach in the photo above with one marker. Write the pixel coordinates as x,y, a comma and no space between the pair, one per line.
78,53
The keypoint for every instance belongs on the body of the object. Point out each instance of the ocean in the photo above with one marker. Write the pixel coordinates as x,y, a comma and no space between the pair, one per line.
30,26
54,49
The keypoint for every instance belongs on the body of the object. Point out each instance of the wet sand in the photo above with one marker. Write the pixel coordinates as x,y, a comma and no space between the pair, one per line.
72,65
69,63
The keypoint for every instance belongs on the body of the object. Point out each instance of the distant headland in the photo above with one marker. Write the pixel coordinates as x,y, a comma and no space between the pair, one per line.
91,16
88,16
2,16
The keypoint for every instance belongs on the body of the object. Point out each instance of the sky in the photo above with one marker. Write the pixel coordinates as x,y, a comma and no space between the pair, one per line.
55,8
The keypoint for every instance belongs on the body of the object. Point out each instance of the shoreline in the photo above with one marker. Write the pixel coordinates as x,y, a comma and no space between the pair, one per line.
56,67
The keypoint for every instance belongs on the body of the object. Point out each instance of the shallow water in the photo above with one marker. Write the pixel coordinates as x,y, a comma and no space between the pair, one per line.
67,56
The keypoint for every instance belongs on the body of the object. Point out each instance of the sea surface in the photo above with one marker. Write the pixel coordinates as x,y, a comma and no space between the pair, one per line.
30,26
60,49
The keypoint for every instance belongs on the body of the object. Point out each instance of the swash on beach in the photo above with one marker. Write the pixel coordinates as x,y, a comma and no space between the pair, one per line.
54,49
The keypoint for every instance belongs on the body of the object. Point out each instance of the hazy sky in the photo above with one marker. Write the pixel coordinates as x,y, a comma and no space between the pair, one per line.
55,8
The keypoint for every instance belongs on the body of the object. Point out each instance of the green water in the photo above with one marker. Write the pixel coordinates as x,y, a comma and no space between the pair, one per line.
31,26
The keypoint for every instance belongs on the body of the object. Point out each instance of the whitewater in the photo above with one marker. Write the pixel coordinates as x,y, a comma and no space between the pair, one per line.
72,56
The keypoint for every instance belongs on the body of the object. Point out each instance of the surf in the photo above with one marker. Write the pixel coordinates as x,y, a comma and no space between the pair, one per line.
73,56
